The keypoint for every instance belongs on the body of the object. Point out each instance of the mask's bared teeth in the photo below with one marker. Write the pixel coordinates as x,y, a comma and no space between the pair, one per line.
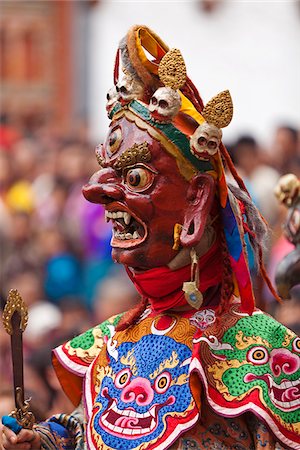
107,219
135,235
127,218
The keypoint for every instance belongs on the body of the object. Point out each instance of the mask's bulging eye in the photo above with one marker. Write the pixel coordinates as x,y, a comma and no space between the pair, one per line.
139,178
114,140
162,382
296,345
122,378
258,355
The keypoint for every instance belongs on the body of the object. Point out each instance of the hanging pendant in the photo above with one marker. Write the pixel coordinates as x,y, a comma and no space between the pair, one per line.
190,288
192,294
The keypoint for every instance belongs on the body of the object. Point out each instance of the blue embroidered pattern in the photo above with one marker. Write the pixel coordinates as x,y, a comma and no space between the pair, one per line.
146,386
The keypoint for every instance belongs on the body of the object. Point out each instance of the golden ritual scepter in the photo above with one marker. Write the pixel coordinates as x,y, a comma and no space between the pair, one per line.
15,319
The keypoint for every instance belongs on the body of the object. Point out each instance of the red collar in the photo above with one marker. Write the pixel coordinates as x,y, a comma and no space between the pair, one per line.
163,286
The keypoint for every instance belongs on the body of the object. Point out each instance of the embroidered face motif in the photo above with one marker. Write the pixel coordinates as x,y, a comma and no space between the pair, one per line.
203,319
268,368
144,396
137,184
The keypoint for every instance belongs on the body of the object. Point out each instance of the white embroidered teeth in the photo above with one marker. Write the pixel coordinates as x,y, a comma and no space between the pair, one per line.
118,215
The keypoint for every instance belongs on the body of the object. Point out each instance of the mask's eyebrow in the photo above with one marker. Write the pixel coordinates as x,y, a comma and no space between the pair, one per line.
169,363
138,153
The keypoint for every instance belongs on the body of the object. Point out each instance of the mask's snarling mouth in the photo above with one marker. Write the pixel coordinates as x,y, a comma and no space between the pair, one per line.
128,423
128,230
285,396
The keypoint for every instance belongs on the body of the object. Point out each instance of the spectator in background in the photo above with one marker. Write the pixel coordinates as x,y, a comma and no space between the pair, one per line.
62,266
260,177
113,295
42,372
75,316
286,151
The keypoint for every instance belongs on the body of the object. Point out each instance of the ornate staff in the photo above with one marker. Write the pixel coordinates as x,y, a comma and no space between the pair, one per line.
15,319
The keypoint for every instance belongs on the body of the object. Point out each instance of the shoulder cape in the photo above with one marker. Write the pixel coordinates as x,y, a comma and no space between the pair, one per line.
72,359
245,363
251,363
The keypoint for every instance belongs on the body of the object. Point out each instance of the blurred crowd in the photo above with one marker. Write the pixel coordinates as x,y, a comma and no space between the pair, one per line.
55,245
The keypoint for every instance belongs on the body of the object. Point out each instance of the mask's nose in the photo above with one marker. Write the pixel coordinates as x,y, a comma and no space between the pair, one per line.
103,187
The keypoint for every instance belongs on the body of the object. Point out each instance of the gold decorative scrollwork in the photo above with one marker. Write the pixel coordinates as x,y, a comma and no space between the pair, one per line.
14,303
138,153
99,157
172,69
24,417
219,110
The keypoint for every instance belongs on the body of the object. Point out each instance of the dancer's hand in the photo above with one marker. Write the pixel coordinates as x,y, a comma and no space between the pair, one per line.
24,440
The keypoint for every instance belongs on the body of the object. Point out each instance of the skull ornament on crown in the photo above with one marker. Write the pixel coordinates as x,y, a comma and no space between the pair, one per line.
128,89
206,140
165,104
111,97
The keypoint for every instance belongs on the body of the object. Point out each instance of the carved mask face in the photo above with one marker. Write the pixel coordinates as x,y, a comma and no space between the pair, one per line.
138,185
206,140
164,104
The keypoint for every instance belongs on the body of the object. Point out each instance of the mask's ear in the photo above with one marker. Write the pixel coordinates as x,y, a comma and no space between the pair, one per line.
200,196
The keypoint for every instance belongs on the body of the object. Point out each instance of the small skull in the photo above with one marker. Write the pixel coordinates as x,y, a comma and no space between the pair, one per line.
112,98
129,89
202,319
205,141
165,104
288,189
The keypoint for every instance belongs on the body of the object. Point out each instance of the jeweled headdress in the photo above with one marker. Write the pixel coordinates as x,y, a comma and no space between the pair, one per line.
153,90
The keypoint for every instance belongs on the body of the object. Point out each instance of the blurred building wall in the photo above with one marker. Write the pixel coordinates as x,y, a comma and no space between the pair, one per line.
251,48
43,60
